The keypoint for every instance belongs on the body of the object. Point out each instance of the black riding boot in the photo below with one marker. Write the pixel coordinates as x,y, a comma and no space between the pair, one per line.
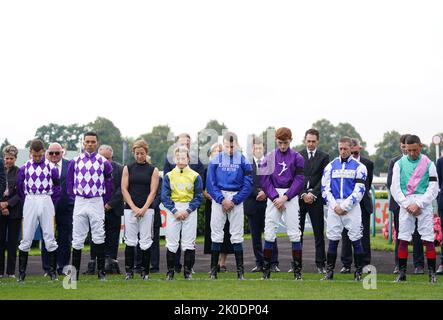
214,264
297,259
53,265
22,264
187,267
146,263
129,262
239,263
431,268
170,262
402,264
101,261
358,274
76,260
330,266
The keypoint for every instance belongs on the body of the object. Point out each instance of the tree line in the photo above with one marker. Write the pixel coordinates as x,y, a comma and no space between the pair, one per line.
161,138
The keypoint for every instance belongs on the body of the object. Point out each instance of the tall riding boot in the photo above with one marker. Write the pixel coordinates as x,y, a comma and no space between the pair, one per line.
431,268
187,267
267,257
146,263
53,265
22,264
239,263
330,266
129,262
297,259
358,259
101,261
402,265
170,263
76,260
214,264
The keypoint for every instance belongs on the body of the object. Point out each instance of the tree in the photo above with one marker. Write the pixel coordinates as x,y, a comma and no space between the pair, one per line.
67,136
4,144
387,149
330,134
217,126
160,139
108,134
206,138
268,137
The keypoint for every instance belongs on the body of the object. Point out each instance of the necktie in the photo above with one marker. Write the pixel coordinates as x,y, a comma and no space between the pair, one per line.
311,155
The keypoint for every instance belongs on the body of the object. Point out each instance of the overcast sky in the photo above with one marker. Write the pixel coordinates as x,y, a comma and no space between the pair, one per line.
375,64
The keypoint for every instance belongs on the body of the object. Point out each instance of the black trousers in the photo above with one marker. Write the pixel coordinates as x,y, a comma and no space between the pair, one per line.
9,232
257,227
418,255
346,245
155,247
64,242
112,233
316,214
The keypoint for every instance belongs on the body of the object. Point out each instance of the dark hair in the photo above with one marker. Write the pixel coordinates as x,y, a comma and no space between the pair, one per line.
257,140
412,139
90,134
37,145
313,132
231,137
404,137
183,135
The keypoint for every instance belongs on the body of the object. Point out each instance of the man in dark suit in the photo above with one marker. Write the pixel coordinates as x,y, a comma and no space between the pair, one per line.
310,199
440,205
366,210
418,253
255,209
63,213
195,164
113,216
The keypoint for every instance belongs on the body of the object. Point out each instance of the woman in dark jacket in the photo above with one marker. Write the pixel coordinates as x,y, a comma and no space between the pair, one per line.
11,214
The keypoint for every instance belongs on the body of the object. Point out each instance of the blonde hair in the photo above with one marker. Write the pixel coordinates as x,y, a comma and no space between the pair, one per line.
182,149
140,144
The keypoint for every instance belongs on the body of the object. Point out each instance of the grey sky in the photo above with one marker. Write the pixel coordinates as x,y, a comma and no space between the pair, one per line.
250,64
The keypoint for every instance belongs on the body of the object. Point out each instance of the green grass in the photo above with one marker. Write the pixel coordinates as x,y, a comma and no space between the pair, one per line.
280,287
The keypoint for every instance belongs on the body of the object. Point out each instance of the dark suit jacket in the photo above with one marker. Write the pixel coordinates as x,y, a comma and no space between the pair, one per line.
313,173
2,178
116,201
14,202
366,202
66,204
251,203
393,206
440,181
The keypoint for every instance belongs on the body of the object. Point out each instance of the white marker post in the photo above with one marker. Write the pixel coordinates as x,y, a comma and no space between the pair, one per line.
436,140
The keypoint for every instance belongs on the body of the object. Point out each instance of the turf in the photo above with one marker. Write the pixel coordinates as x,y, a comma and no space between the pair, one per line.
280,287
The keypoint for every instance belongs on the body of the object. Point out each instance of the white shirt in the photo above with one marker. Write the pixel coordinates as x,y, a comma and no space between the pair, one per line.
309,153
59,166
261,161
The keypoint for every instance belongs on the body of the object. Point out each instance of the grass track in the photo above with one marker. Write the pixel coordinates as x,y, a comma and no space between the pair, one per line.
280,287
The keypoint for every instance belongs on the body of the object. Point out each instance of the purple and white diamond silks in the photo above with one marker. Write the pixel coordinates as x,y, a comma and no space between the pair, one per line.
39,177
89,175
